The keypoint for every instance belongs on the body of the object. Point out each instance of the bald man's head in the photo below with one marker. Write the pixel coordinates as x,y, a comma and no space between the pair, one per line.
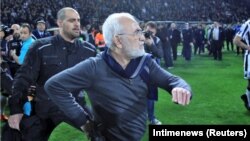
61,13
16,28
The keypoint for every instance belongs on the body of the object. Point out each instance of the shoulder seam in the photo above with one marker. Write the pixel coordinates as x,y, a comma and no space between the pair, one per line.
46,45
89,48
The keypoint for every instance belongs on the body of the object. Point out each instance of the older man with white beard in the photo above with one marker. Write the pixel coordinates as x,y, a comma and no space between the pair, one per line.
117,82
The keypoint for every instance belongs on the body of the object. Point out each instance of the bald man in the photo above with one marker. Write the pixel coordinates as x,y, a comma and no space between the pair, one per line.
45,58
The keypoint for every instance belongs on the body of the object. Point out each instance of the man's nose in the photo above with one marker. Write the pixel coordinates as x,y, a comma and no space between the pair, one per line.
142,37
77,23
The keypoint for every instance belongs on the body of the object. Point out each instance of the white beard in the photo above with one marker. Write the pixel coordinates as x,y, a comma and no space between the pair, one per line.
134,53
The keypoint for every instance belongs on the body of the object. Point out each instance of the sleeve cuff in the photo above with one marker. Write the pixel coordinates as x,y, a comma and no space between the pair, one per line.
80,120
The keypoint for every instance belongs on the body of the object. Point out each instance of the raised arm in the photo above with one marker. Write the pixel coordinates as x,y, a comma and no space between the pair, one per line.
179,88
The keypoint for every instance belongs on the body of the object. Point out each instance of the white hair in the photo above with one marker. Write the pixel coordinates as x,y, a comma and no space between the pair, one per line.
173,25
112,26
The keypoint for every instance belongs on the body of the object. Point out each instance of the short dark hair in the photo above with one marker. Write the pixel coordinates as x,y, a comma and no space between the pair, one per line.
151,24
61,13
27,26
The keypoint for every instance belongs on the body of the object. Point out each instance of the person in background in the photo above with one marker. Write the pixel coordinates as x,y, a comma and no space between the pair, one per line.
153,45
5,37
217,40
199,37
14,44
92,33
40,31
187,36
163,34
5,72
175,38
229,35
27,40
99,40
242,39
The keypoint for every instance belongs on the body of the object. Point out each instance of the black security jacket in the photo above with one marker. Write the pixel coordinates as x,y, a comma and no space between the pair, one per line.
45,58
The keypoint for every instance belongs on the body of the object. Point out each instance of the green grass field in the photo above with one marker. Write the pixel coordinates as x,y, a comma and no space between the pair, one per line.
216,85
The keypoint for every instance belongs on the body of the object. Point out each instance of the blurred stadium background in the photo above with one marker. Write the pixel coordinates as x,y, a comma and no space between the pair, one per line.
217,85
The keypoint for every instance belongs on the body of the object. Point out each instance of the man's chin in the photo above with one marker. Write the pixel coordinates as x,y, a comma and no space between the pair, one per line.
75,35
142,53
137,55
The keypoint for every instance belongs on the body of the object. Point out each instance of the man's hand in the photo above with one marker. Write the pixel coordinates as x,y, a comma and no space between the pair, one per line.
238,41
12,52
88,128
181,96
149,41
92,132
191,44
14,121
248,48
31,91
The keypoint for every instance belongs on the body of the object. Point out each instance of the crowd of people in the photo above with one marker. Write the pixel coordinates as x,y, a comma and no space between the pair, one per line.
95,11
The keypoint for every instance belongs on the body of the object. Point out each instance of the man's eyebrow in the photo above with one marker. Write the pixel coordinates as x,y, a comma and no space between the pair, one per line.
74,19
138,30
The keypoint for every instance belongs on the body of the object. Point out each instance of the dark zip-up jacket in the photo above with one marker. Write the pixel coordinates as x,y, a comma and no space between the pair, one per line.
118,103
45,58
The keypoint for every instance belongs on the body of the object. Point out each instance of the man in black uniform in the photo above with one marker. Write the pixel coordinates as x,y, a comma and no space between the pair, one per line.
199,37
47,57
40,31
187,42
175,38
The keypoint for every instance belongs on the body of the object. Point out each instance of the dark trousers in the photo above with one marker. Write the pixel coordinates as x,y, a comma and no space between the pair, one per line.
9,134
36,128
239,50
47,117
167,54
230,42
187,51
174,50
199,46
217,50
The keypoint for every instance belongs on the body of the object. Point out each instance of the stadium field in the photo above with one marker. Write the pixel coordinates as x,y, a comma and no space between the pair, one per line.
217,87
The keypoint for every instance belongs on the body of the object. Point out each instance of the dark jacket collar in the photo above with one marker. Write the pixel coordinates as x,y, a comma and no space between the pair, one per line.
134,67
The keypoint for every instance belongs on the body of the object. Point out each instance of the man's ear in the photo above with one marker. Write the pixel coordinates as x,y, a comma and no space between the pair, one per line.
59,23
117,41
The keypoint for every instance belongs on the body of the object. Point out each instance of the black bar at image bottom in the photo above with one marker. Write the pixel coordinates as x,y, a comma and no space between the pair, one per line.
199,132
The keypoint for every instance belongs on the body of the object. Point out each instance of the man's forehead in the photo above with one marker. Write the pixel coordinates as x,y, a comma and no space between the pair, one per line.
14,26
71,14
40,23
24,28
130,24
